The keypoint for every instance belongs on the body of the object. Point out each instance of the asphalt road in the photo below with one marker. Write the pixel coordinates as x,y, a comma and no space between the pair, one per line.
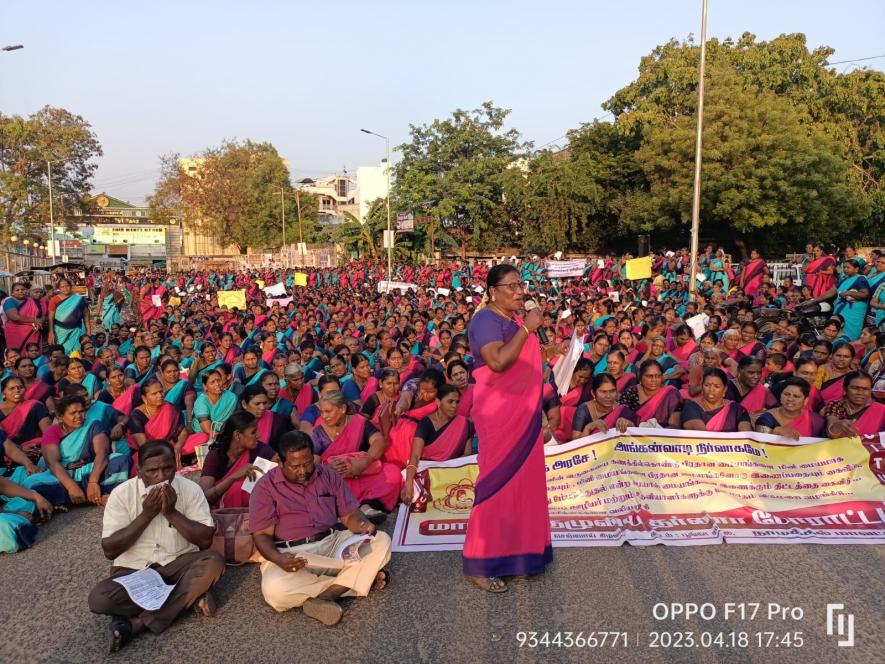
429,615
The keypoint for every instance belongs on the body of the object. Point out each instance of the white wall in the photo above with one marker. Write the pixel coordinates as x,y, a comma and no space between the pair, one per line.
372,184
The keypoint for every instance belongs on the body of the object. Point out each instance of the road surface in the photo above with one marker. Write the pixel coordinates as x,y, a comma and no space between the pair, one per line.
429,614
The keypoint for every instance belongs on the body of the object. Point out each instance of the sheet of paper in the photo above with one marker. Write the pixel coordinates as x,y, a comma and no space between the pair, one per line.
443,291
600,263
277,290
146,588
266,465
698,325
348,549
156,300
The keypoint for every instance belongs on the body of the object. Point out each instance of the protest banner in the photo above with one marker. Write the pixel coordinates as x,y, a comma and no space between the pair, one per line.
281,301
389,286
639,268
277,290
667,486
300,278
560,269
231,299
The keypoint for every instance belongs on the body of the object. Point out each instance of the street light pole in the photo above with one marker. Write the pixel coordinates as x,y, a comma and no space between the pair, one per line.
51,215
389,243
283,218
696,194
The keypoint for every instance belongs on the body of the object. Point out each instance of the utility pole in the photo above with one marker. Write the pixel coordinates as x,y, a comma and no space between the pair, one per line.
51,215
283,219
696,195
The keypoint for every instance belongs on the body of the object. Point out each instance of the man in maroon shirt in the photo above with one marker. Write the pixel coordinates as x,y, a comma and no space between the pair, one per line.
300,514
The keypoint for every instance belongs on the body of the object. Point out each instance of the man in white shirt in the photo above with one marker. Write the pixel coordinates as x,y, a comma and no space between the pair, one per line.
162,521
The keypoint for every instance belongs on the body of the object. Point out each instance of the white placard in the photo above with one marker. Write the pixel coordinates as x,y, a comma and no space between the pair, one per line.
443,291
277,290
156,300
698,325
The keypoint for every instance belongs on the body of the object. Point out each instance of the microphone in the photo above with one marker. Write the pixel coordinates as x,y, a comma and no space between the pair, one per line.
542,335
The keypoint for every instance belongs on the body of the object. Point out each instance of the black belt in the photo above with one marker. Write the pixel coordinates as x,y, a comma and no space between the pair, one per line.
307,540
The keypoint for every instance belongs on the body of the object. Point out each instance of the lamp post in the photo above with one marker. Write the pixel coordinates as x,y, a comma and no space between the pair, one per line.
696,194
389,235
51,215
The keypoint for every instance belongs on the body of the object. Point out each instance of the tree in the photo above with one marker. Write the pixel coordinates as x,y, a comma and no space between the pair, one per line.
235,194
803,159
451,170
52,134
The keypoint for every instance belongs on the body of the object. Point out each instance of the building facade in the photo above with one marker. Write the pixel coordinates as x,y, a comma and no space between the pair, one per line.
372,184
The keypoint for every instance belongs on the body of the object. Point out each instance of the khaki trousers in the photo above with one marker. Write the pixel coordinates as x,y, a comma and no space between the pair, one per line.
192,573
284,590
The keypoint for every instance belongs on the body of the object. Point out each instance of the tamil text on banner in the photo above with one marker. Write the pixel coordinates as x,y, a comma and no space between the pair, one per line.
300,278
560,269
232,298
676,487
639,268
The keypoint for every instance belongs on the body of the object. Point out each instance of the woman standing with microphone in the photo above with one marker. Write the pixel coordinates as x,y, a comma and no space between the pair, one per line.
508,533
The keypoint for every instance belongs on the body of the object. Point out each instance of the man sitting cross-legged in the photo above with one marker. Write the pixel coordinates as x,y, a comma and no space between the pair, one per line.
157,520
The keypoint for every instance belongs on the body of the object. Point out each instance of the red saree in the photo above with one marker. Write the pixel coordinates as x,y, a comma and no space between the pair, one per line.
384,485
403,433
450,443
751,277
815,279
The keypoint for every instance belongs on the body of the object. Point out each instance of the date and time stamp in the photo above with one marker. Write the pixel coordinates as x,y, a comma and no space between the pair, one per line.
733,625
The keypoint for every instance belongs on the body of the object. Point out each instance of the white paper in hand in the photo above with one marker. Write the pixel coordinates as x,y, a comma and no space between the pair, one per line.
146,588
265,465
156,300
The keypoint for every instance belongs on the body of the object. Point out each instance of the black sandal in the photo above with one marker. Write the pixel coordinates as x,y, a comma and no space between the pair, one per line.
121,633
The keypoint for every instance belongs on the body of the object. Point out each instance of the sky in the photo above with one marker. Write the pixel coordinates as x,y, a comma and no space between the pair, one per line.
162,77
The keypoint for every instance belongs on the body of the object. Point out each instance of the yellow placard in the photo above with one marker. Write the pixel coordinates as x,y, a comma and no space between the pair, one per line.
639,268
260,283
300,278
231,299
174,301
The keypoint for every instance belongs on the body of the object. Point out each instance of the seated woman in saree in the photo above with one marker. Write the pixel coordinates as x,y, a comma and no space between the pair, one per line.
154,419
110,304
361,384
442,435
657,351
712,411
231,461
729,348
142,367
820,272
353,447
282,408
297,391
270,425
792,419
617,363
17,519
603,412
206,362
750,346
22,318
413,405
831,376
116,393
69,317
22,420
35,389
385,399
508,419
855,414
852,293
459,375
229,351
177,391
312,416
656,404
81,466
77,375
748,389
111,420
211,410
596,351
683,346
249,371
579,391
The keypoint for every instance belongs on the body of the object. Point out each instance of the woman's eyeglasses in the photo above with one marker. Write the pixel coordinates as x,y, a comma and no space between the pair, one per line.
513,286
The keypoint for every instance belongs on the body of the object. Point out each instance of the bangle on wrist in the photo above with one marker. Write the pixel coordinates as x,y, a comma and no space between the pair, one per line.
527,332
412,465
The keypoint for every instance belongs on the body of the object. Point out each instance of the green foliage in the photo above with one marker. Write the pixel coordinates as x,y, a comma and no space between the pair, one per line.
239,193
53,134
452,171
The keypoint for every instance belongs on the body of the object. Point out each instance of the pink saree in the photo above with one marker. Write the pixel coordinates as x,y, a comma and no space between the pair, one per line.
382,485
508,532
403,433
18,335
450,443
